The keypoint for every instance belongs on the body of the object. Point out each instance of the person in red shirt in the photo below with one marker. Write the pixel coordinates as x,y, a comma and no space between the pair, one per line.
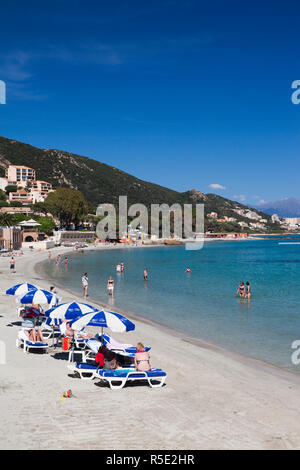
100,357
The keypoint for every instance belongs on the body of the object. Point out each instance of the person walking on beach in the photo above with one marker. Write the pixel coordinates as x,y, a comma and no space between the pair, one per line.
248,290
241,289
85,283
146,274
12,264
110,286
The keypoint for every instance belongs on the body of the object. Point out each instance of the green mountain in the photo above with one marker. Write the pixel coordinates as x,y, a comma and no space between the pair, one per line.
101,183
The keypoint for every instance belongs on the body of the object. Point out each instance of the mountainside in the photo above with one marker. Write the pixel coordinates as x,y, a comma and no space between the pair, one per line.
289,207
101,183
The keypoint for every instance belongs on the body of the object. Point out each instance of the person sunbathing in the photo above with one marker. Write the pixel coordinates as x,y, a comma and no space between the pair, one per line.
141,358
106,359
35,336
66,330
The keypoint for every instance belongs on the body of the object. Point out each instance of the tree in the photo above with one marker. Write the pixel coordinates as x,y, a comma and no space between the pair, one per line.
68,205
40,207
11,188
7,220
47,224
16,204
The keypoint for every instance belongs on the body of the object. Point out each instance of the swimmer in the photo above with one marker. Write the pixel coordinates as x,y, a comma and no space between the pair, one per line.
241,289
188,270
110,286
248,290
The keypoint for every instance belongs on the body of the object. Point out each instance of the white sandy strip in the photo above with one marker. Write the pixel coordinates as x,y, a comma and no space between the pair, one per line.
211,400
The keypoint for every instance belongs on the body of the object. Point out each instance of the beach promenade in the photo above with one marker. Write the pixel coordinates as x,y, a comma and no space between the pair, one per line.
211,400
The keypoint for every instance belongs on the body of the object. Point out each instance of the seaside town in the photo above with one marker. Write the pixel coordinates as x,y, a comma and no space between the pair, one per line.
149,228
21,192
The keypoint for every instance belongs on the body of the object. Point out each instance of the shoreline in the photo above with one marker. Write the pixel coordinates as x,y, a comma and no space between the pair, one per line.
199,342
209,401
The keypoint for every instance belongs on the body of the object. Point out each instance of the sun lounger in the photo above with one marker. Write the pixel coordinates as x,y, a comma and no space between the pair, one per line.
119,348
88,371
118,378
24,341
84,370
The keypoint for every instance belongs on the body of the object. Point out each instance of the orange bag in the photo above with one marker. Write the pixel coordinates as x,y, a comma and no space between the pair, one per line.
66,344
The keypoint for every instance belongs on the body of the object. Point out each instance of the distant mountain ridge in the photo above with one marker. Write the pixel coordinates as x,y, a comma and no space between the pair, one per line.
102,183
286,208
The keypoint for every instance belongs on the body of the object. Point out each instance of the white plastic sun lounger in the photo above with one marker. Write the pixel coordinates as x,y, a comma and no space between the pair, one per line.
88,371
119,377
24,341
84,370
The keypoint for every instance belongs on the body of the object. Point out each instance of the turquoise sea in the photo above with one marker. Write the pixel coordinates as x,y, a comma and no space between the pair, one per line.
203,304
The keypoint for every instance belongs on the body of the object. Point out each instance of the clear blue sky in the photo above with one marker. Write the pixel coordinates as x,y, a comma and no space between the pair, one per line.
182,93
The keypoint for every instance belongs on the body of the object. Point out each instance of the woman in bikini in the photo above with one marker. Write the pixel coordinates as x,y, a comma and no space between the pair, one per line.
248,291
141,358
241,289
110,286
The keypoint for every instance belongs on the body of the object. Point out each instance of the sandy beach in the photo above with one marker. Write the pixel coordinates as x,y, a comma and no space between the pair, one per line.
211,400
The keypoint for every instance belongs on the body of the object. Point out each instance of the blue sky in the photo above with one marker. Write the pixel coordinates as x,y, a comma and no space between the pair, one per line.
186,94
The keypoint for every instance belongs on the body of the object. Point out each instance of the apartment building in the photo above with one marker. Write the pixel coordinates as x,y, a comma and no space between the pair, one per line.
21,174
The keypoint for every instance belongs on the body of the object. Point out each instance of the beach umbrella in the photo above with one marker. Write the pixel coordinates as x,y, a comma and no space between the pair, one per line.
116,322
37,296
21,289
68,311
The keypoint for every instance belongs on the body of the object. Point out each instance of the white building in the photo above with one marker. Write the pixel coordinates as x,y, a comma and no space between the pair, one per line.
275,218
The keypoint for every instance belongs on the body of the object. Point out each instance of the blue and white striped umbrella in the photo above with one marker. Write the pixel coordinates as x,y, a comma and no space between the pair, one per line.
21,289
37,296
112,320
68,311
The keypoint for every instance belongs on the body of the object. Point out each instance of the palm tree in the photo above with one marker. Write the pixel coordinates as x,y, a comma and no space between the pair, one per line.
7,220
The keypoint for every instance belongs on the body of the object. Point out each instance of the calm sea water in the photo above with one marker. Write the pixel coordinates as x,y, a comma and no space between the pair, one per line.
204,304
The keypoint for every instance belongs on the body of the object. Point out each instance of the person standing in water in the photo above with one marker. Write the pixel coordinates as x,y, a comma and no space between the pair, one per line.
248,290
85,283
122,267
241,289
146,274
188,270
110,286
